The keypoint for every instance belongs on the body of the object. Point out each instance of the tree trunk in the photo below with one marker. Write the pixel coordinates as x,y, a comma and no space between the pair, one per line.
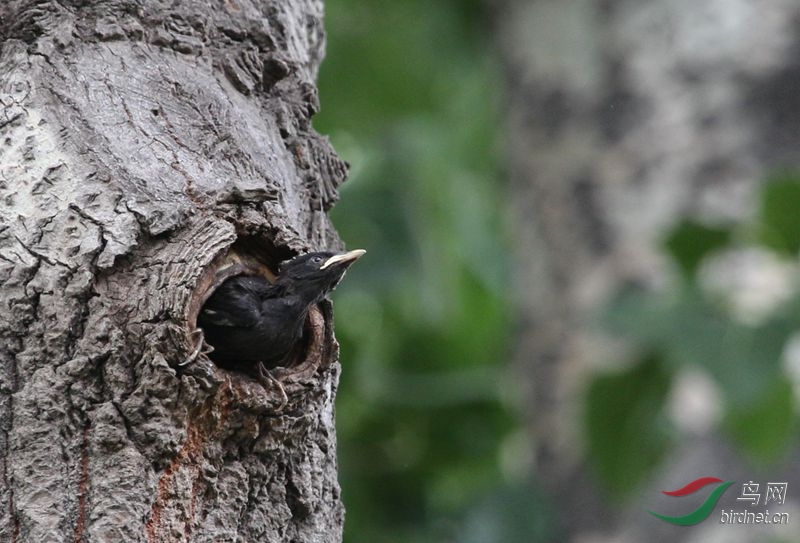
624,116
148,150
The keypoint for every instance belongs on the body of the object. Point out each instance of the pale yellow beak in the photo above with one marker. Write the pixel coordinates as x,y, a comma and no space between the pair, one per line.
350,257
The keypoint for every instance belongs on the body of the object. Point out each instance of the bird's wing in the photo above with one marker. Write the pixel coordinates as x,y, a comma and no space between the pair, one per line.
236,303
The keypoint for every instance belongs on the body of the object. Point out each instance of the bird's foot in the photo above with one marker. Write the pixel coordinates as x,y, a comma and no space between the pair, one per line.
200,343
266,377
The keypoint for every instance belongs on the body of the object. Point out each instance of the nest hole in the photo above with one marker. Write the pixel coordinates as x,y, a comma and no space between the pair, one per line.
253,256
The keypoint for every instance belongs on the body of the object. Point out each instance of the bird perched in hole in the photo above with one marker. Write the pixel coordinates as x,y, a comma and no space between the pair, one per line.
253,324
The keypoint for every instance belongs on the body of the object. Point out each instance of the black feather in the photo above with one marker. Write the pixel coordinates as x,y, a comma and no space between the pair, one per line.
250,321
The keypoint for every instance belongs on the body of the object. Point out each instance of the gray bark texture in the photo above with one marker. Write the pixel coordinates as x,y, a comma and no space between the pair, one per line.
624,116
147,149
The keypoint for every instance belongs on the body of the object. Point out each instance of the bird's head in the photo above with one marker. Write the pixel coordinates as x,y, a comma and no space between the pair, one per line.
316,274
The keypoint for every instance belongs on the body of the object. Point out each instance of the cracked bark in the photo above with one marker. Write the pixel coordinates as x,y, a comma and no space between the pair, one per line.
143,149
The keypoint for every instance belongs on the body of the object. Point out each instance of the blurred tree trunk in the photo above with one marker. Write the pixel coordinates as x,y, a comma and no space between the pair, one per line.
144,147
622,117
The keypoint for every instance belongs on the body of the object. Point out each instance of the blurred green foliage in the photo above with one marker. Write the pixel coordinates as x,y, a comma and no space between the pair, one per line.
688,326
690,242
408,98
626,423
425,419
780,222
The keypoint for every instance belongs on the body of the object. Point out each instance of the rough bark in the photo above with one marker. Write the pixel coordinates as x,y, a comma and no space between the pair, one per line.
622,117
144,146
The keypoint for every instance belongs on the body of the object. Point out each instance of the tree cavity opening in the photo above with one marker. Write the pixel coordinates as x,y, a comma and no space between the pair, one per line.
253,256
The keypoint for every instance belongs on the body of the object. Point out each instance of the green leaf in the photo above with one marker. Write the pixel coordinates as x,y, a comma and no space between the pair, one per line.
514,513
626,425
688,330
779,226
765,430
690,242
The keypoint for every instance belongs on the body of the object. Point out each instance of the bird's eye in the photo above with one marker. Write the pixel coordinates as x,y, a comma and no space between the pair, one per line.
316,259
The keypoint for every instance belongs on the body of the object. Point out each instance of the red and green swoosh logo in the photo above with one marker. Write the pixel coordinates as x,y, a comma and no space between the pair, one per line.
705,508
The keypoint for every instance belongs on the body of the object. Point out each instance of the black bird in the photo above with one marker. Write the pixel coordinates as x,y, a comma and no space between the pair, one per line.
254,324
